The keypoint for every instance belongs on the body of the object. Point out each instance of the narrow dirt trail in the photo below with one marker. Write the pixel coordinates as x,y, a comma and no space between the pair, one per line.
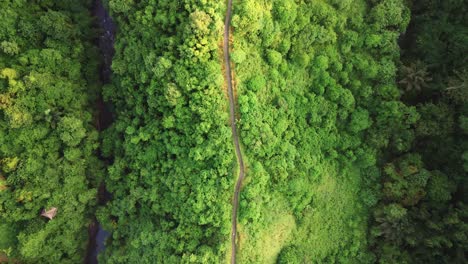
235,136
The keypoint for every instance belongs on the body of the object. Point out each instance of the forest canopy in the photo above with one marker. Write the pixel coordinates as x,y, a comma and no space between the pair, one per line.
351,115
48,141
171,175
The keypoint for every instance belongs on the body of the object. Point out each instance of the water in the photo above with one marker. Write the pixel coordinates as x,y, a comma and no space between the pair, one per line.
97,234
106,39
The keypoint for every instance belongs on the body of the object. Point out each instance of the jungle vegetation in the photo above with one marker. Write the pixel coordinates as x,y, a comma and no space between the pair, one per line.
171,176
319,104
48,140
352,115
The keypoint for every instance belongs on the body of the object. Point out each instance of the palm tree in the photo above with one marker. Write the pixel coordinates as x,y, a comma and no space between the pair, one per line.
415,76
458,89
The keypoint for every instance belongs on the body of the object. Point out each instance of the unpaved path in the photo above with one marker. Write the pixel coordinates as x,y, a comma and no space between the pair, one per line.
235,136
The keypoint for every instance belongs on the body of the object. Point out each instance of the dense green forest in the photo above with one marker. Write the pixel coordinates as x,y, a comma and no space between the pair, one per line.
423,209
352,117
48,82
171,176
318,108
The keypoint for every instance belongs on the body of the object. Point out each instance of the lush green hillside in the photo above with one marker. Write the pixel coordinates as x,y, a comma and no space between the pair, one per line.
352,116
318,102
47,140
172,173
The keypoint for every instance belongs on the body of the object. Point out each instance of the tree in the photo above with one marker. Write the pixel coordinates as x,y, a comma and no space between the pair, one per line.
414,77
360,120
71,130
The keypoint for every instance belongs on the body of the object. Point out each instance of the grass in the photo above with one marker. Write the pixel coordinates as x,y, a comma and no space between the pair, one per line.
264,245
334,225
330,229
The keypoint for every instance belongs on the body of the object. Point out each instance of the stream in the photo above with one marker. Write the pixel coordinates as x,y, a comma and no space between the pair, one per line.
105,41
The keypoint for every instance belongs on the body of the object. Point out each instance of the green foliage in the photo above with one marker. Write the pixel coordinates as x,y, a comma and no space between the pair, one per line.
71,131
10,48
416,206
415,76
290,255
47,140
359,120
317,87
7,237
390,14
120,6
274,57
171,175
422,215
355,153
258,82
